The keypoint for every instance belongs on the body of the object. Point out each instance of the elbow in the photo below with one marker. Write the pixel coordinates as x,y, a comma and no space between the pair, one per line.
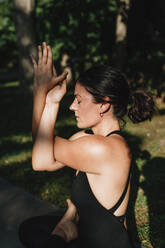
41,165
37,166
38,162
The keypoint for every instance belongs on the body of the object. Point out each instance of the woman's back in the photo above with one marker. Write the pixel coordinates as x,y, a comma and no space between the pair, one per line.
98,226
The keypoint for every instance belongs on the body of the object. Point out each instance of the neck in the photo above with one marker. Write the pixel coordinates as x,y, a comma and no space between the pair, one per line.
106,126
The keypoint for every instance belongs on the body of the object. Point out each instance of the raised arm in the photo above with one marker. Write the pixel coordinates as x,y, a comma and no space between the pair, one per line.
44,71
84,153
47,96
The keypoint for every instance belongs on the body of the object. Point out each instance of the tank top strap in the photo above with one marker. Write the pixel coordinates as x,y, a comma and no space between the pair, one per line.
117,205
115,132
89,131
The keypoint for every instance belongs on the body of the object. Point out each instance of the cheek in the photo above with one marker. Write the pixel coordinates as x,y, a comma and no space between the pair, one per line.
91,112
89,116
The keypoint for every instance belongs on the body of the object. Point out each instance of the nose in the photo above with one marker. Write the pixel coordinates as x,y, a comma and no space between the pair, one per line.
73,106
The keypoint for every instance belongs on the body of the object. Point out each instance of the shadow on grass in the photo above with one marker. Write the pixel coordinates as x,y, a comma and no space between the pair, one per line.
153,184
161,111
52,186
8,146
134,142
16,111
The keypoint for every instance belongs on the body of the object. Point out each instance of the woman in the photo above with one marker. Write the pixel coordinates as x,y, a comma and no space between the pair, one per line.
100,192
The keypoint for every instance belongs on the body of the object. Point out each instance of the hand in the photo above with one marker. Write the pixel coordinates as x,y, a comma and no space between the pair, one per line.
44,70
56,94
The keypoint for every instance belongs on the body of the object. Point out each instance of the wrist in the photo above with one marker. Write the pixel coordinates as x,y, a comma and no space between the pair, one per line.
51,110
52,104
39,90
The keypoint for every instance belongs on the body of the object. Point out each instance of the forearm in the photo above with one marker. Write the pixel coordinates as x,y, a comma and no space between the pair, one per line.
43,153
39,100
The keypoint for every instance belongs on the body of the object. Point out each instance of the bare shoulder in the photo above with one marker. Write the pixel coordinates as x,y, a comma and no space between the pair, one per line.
78,135
84,153
110,143
120,150
91,153
89,144
98,147
110,152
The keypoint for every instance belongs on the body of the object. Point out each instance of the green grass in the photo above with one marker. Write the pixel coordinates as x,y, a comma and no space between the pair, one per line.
146,212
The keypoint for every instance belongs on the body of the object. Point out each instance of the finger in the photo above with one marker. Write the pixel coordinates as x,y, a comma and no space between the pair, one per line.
60,78
45,53
39,55
33,61
49,57
64,85
54,71
67,200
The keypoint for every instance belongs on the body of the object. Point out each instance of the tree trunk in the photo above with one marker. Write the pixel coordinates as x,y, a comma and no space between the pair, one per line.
121,34
23,17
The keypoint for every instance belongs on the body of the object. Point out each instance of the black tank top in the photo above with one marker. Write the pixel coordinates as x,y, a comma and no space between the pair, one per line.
98,227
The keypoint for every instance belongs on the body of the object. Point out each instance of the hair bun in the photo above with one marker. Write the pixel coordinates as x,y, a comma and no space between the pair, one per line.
142,106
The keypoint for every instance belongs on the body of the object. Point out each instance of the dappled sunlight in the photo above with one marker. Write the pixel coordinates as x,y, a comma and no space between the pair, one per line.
18,139
19,157
15,148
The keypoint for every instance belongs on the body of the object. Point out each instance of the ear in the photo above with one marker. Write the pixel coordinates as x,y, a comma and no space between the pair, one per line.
105,106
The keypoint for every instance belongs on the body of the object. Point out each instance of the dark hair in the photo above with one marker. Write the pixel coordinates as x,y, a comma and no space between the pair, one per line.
102,80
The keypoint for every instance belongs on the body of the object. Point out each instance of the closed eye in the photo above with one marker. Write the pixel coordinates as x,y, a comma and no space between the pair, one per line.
78,101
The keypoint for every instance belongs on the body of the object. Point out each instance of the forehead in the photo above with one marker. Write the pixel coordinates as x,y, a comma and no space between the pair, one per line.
81,91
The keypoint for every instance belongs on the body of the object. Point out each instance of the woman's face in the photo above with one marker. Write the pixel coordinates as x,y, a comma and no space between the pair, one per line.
86,111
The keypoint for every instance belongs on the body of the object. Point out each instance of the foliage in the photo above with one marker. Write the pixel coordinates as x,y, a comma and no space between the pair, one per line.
145,44
85,31
8,44
77,28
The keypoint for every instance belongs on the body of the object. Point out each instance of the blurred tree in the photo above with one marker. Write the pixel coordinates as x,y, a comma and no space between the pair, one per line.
127,33
23,16
121,33
7,42
83,30
145,43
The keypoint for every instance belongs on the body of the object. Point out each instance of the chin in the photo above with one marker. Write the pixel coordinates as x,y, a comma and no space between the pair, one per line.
83,126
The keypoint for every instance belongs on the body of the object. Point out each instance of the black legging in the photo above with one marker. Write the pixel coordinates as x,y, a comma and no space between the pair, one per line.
36,233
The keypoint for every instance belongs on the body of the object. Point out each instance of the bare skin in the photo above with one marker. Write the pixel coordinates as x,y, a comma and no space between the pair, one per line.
66,228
